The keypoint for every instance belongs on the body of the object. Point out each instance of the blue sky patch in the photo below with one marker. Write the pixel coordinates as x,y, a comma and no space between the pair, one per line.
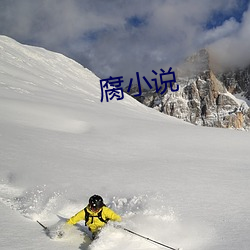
219,17
136,21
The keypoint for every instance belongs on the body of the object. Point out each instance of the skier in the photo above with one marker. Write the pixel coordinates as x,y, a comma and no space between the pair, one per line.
95,214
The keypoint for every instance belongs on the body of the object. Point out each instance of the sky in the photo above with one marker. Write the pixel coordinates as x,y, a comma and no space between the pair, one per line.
119,38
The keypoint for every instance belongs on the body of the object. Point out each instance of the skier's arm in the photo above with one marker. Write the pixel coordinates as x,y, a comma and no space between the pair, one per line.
77,217
110,214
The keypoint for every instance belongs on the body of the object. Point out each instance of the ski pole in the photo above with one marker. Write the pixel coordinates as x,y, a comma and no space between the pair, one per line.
146,238
45,228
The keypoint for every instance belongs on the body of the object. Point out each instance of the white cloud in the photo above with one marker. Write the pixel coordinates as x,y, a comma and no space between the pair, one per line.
98,33
233,50
226,29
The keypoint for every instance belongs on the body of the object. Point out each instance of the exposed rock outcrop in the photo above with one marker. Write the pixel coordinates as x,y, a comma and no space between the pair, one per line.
204,98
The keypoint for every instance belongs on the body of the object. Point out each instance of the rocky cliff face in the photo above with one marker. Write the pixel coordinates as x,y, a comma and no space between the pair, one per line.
204,97
237,81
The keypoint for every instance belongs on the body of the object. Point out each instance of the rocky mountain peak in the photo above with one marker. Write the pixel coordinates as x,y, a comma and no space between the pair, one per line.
195,65
205,96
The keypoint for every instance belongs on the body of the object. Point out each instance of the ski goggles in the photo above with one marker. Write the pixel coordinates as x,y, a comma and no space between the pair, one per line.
94,208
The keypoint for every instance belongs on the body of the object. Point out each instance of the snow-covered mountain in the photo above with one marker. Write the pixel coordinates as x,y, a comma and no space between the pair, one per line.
182,185
207,96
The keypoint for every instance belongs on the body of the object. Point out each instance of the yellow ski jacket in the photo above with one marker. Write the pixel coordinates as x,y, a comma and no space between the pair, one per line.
94,223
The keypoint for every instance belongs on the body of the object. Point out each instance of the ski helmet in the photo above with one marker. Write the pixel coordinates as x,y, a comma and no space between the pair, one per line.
96,202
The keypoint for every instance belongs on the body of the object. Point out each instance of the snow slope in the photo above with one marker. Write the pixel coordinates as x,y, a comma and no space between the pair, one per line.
176,183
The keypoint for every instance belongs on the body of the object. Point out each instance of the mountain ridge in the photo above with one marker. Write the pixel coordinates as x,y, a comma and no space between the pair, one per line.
206,95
